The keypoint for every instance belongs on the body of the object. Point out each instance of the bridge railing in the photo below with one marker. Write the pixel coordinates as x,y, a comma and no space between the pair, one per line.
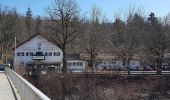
26,90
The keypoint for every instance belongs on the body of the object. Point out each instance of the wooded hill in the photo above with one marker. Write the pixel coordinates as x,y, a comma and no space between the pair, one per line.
148,36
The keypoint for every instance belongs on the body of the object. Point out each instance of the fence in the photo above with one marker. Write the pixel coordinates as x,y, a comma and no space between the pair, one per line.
133,73
26,90
146,72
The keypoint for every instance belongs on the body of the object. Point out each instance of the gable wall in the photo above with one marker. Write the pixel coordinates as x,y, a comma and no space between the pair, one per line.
32,46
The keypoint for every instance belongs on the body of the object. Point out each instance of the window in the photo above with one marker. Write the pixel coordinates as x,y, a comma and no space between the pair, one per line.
79,63
20,53
74,63
48,54
56,54
39,53
29,53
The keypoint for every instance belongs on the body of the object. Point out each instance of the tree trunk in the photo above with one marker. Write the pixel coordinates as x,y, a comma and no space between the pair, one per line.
124,66
159,63
92,60
128,66
93,68
64,68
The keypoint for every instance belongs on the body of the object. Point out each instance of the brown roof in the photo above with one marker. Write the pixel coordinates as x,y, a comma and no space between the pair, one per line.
43,35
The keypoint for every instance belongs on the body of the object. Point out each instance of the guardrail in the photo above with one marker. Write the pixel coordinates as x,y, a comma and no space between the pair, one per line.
146,72
127,72
26,90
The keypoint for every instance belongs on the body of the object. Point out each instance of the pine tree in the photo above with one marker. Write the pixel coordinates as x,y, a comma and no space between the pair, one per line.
28,22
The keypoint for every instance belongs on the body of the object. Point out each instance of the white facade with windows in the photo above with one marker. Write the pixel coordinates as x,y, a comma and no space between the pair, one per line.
37,48
76,65
117,64
40,52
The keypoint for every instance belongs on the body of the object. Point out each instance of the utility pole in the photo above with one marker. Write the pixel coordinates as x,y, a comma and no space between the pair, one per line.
15,55
2,55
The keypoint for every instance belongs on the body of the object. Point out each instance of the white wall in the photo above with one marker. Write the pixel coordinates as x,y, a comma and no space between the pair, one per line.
76,67
119,64
32,46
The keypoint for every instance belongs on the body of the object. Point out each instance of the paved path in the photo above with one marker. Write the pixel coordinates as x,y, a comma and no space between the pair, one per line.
6,92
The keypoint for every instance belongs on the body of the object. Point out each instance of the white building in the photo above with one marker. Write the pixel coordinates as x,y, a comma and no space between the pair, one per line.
117,64
109,61
75,63
38,50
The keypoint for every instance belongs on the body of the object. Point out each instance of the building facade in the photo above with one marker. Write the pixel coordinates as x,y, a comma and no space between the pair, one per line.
75,63
111,62
38,50
40,53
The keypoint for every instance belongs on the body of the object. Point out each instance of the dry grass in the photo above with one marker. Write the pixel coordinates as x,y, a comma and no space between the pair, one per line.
92,87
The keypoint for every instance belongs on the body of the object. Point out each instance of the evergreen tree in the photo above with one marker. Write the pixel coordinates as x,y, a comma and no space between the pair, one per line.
152,20
28,22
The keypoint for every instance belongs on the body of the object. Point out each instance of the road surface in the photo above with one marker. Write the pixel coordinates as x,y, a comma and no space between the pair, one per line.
6,90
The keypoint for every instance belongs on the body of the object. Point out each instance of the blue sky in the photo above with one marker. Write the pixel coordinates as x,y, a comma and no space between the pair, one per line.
108,7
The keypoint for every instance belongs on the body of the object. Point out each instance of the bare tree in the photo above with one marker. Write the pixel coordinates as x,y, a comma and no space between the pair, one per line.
93,37
8,23
38,25
126,39
118,41
158,39
64,24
